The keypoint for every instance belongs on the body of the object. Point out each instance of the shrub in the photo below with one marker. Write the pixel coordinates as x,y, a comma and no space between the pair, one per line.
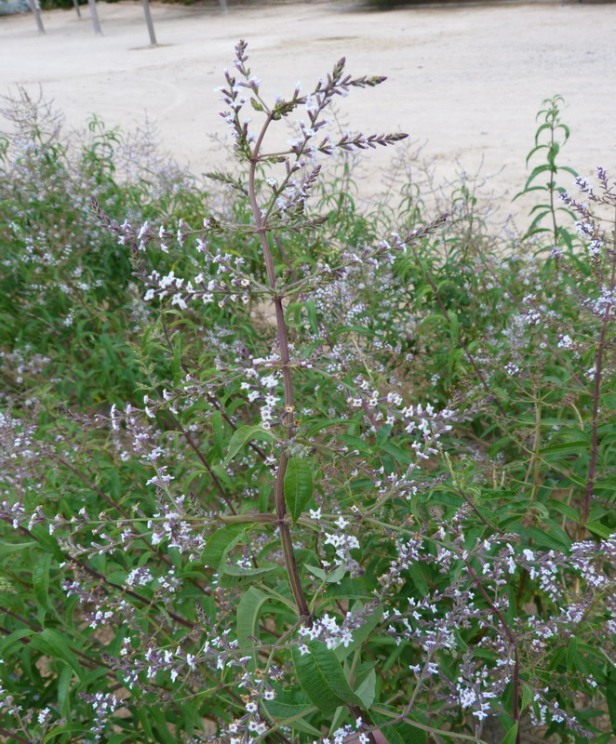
69,307
365,493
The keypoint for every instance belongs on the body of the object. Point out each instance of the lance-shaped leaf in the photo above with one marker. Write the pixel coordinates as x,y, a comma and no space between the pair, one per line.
242,436
289,709
248,612
322,678
221,542
367,690
297,486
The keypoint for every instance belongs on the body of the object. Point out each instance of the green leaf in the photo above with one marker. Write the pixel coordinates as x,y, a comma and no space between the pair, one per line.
360,634
546,538
599,529
63,728
232,570
232,575
454,325
320,424
64,684
291,714
567,448
297,486
218,435
609,484
533,151
177,354
397,453
565,509
553,151
51,643
284,711
527,697
220,471
142,714
13,639
360,587
162,728
537,172
40,580
311,312
567,169
572,655
248,612
321,676
528,191
604,739
367,690
511,735
221,542
328,577
400,733
355,443
242,436
610,696
416,572
7,548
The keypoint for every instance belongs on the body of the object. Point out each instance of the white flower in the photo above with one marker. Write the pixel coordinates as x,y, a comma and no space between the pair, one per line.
178,300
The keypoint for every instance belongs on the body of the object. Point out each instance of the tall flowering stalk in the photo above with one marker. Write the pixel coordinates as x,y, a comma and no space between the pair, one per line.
286,204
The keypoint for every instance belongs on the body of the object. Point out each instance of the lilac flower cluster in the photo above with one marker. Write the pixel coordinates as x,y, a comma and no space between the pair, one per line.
476,602
103,706
229,282
332,634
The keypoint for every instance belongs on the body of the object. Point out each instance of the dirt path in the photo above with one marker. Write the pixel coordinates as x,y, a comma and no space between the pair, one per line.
465,81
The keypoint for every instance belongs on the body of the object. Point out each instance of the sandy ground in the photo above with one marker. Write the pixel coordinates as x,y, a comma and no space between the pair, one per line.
465,80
